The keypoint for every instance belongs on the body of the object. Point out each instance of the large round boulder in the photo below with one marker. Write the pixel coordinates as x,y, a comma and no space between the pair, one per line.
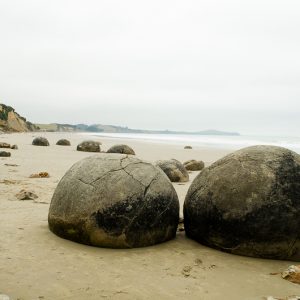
194,165
63,142
122,149
248,203
40,141
89,146
115,201
174,169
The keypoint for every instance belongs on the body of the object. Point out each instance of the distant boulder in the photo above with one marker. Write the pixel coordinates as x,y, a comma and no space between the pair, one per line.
174,169
89,146
188,147
40,141
63,142
5,154
4,145
194,165
248,203
122,149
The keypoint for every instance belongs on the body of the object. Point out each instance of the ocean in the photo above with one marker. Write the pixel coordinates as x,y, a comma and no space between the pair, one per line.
214,141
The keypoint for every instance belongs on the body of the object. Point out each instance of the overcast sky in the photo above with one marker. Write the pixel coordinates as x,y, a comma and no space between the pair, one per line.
159,64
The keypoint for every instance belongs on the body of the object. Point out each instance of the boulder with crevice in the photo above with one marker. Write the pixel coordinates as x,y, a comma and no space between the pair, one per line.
115,201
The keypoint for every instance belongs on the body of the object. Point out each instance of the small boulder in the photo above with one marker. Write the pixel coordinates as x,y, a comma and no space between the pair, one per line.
194,165
174,169
4,145
122,149
26,195
5,154
15,147
40,141
114,201
248,203
63,142
188,147
89,146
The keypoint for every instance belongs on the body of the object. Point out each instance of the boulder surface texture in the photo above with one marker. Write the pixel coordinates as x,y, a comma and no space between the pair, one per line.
40,141
174,169
122,149
89,146
248,203
194,165
114,201
63,142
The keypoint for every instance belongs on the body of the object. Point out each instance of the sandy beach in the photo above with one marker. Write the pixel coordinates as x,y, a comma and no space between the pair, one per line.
36,264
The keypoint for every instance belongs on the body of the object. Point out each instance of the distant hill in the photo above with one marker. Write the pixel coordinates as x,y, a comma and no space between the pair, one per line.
11,121
120,129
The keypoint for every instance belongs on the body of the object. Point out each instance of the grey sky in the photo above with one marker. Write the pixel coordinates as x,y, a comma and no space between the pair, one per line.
183,65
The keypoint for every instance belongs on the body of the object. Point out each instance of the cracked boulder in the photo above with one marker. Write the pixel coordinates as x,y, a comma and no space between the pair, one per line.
40,141
174,169
63,142
248,203
122,149
89,146
114,201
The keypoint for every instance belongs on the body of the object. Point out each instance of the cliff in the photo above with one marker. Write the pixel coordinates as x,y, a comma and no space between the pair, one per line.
11,121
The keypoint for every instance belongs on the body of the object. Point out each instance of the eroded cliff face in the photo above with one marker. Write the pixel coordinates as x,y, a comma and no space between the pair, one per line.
11,121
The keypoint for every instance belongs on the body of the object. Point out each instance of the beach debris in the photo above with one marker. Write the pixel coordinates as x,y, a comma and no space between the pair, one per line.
174,169
186,271
235,197
4,145
5,154
122,149
40,175
89,146
180,225
63,142
26,195
11,165
194,165
144,210
40,141
292,274
14,147
188,147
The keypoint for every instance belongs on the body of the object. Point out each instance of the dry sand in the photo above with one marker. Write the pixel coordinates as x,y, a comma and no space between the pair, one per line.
36,264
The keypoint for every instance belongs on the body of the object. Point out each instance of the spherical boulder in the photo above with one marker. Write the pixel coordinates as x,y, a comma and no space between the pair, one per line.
114,201
194,165
89,146
63,142
174,169
5,154
248,203
123,149
40,141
